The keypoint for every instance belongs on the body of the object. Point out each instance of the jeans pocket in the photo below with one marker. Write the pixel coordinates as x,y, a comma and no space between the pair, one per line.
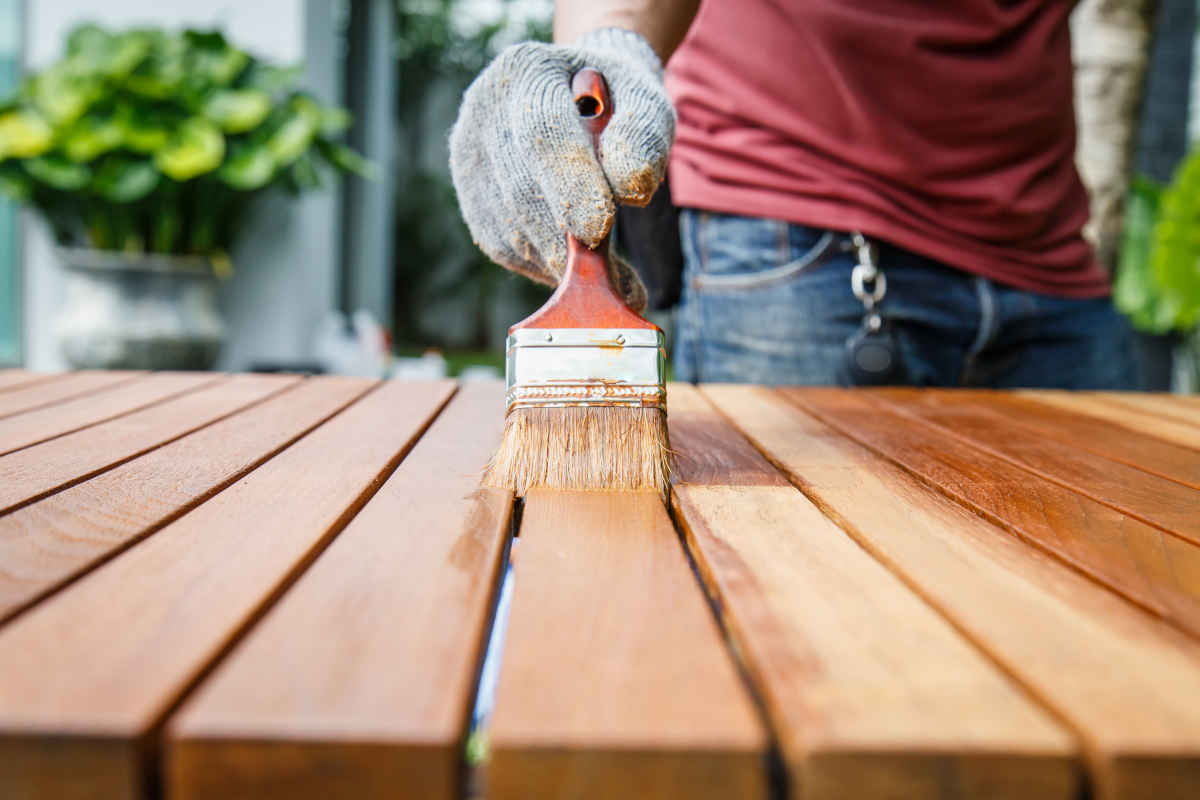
741,254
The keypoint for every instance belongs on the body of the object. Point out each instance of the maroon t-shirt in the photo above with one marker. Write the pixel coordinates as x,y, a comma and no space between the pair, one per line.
943,126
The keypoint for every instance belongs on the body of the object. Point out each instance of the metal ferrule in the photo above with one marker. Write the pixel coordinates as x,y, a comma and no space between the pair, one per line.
558,367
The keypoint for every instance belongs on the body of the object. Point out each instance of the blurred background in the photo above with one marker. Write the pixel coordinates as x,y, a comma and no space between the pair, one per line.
264,185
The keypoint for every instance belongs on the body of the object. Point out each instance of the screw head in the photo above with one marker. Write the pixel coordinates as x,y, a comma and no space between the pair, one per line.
549,337
620,339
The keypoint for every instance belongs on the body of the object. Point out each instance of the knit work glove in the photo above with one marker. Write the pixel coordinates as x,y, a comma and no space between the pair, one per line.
524,167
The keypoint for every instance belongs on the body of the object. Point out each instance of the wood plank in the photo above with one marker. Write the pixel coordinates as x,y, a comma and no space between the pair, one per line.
870,691
56,389
48,543
1158,571
1127,684
377,700
615,680
48,422
95,668
1094,435
1165,406
13,378
1162,503
37,471
1077,403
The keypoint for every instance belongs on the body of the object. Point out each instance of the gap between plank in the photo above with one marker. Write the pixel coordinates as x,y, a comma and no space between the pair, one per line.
217,379
152,741
184,509
1090,756
778,781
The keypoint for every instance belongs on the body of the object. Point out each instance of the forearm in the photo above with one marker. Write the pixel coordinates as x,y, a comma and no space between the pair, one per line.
662,23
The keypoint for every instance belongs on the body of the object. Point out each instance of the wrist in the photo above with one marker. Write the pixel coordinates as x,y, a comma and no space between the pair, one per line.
622,43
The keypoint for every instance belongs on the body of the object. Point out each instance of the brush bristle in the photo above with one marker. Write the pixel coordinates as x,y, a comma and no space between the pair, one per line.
588,448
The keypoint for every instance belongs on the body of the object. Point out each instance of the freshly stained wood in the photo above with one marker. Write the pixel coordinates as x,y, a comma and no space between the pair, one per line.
1127,684
1163,503
33,394
37,471
47,422
359,682
93,669
615,681
1166,406
49,542
1157,570
16,378
917,712
1171,430
1082,432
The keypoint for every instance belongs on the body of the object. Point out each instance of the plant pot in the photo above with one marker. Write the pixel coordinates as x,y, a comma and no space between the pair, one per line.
134,311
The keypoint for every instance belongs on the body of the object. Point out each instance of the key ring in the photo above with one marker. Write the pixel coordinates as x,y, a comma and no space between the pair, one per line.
866,272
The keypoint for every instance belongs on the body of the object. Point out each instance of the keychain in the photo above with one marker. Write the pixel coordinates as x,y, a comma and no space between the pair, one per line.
871,354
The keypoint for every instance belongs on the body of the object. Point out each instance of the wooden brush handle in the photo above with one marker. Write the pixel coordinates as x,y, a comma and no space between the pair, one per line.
585,297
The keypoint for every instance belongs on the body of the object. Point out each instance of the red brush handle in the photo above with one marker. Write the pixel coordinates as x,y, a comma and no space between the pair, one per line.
585,297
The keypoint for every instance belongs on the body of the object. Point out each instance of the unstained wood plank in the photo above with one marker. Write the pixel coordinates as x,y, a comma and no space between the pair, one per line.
37,471
359,683
615,680
93,670
47,543
1082,432
1126,683
1157,570
1162,503
47,422
56,389
871,692
1180,433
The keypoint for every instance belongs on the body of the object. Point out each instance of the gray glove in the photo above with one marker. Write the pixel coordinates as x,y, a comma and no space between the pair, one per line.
524,167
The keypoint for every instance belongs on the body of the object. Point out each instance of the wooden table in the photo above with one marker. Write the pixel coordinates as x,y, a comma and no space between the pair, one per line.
258,586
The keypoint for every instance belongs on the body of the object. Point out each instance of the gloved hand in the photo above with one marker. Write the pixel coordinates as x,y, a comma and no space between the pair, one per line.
524,167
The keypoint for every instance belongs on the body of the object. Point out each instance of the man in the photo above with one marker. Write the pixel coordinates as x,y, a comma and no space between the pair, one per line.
871,192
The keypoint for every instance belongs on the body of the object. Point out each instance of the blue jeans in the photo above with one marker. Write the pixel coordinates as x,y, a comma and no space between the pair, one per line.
766,301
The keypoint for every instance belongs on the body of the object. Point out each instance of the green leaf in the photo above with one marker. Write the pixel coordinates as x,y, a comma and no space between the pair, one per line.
250,167
23,134
1175,257
59,173
292,139
61,94
144,129
92,136
347,159
163,71
334,121
196,147
237,110
124,179
212,60
304,174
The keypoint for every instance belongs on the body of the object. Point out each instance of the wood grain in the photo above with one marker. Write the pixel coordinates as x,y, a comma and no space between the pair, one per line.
48,422
1079,431
615,680
1159,571
55,389
870,691
37,471
46,544
379,642
1166,406
100,663
17,378
1162,503
1127,684
1179,433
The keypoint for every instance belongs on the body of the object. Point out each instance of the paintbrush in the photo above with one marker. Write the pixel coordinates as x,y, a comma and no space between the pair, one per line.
586,406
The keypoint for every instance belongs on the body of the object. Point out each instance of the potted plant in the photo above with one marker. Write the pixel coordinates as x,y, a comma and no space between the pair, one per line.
144,150
1158,279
